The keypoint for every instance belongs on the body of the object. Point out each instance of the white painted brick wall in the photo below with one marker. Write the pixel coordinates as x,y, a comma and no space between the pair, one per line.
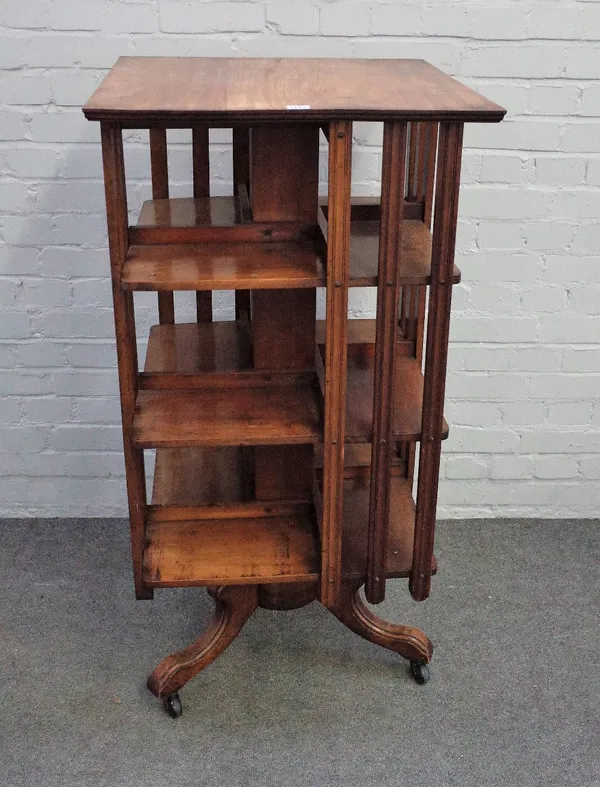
524,368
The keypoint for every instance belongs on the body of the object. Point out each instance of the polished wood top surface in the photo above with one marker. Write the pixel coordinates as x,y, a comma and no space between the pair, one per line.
174,90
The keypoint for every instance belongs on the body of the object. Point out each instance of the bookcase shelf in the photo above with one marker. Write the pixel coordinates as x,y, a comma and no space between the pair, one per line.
408,388
253,415
415,254
177,221
249,550
400,530
222,266
184,212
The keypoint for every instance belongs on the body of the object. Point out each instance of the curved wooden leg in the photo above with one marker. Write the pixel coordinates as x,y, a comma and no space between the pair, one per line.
233,606
407,641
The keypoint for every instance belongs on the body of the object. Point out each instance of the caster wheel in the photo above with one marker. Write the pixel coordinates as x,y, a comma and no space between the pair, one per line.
420,672
172,705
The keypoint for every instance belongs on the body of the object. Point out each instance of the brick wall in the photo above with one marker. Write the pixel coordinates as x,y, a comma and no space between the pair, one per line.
524,376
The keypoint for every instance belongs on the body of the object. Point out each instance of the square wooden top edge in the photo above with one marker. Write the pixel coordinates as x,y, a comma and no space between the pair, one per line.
175,90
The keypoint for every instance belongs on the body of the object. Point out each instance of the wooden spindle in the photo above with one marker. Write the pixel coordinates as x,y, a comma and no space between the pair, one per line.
159,168
390,241
438,325
426,173
201,162
201,180
428,164
117,221
336,332
241,178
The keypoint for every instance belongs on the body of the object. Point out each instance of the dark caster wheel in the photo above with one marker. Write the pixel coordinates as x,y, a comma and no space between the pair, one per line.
172,705
420,672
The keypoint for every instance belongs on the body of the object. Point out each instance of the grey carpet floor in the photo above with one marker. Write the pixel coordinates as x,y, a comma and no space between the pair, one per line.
298,700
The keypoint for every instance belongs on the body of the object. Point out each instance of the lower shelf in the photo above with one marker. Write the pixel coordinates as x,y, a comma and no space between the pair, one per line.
202,529
232,551
401,528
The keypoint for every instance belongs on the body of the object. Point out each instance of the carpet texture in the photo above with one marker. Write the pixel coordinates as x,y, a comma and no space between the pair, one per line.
298,700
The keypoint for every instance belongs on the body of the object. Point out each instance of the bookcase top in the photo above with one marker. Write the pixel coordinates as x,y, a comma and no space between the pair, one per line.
172,91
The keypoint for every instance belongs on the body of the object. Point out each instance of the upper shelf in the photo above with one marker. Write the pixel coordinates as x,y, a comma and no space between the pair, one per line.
153,264
223,266
190,212
209,220
177,91
415,258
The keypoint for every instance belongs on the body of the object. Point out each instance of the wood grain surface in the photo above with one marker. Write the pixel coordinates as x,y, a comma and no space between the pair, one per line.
231,551
408,395
198,476
415,254
223,266
198,348
400,528
179,90
233,416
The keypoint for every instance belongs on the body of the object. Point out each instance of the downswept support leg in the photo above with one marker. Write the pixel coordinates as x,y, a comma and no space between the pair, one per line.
407,641
233,606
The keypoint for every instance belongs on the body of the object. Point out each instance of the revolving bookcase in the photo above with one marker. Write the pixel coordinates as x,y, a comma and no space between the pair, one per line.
286,445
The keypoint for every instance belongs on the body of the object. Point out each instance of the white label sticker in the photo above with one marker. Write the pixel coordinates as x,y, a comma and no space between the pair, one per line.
298,106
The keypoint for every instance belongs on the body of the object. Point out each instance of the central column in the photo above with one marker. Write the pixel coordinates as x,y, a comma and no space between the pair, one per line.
284,186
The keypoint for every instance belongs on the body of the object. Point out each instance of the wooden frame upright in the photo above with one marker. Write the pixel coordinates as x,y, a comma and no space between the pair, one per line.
286,445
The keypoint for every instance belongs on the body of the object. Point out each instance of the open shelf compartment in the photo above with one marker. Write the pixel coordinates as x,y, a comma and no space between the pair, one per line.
246,550
415,254
207,348
408,389
400,532
223,221
400,528
202,530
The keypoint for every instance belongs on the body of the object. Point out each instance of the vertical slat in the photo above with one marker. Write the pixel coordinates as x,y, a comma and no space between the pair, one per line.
429,167
116,212
204,312
438,325
421,159
158,163
201,175
160,190
418,343
336,332
166,308
426,170
413,173
390,239
201,162
241,175
241,157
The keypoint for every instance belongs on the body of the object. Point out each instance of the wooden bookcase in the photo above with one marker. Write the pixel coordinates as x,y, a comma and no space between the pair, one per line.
285,445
